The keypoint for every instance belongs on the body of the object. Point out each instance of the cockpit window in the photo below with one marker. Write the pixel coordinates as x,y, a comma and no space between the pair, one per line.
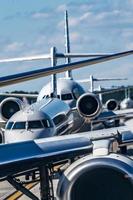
19,125
45,123
66,96
34,124
9,125
60,118
29,124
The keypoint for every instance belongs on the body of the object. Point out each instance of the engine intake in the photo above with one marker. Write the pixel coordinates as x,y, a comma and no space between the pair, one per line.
89,105
109,177
111,104
10,106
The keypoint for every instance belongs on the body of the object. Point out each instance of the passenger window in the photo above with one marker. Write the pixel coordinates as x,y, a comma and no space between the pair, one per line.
66,96
19,125
9,125
34,124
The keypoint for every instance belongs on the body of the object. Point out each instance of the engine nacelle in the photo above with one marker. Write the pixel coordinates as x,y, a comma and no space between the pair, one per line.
107,177
89,105
10,106
111,104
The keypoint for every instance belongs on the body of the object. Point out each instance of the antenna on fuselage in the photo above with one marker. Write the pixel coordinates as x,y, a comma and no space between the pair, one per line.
67,44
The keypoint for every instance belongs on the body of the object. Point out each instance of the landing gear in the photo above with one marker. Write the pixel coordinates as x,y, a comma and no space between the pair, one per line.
46,184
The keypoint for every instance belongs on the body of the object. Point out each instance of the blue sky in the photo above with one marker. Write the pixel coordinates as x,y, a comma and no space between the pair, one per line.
32,27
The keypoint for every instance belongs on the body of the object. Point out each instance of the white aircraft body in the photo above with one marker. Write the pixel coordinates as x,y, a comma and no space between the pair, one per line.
46,118
127,102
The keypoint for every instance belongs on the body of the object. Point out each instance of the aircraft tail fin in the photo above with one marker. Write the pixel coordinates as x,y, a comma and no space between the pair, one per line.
67,44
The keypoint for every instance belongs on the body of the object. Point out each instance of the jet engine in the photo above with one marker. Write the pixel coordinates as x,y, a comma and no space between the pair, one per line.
10,106
111,104
106,177
89,105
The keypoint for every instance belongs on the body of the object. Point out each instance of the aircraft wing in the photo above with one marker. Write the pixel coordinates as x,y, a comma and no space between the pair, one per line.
22,156
114,115
25,76
126,112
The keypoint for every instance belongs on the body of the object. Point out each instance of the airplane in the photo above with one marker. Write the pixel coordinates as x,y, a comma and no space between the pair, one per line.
127,102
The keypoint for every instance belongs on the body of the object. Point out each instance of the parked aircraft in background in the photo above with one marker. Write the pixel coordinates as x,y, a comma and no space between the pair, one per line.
88,106
127,102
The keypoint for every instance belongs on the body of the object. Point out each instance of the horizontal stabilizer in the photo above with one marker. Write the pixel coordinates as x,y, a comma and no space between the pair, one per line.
108,91
27,58
48,56
101,79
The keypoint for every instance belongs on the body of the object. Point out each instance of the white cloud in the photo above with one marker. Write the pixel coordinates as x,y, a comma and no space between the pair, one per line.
62,8
102,18
85,16
129,45
14,46
75,36
74,21
39,15
127,33
41,40
85,7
